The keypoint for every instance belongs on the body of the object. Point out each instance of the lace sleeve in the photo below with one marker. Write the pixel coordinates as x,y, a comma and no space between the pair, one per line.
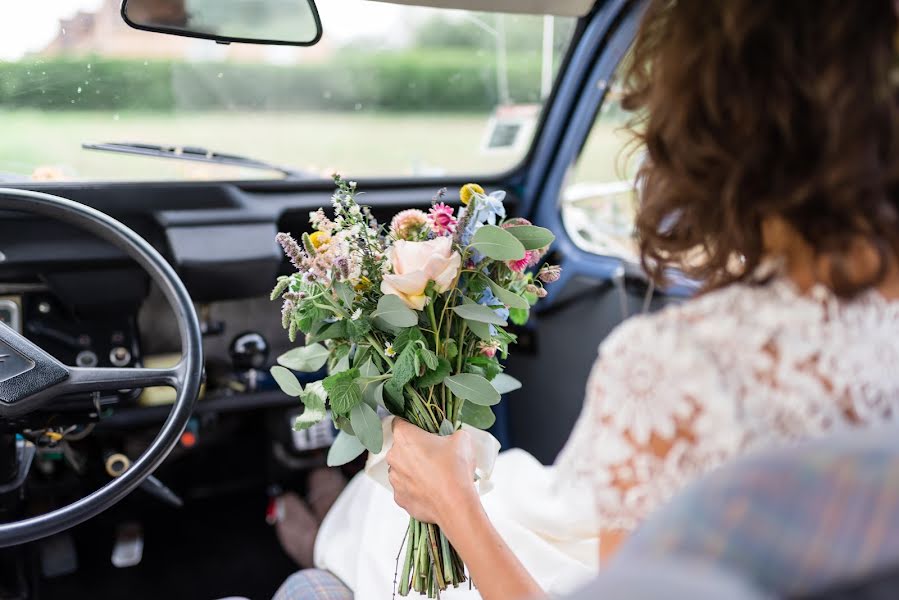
655,416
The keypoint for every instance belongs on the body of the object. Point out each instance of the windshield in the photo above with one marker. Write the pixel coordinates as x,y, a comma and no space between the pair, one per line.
390,91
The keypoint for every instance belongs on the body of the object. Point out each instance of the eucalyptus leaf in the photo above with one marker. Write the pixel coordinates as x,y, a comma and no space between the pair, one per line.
345,292
510,299
446,428
478,416
367,426
344,449
287,381
394,401
373,394
307,359
480,314
481,330
393,311
472,388
505,383
368,369
497,243
532,237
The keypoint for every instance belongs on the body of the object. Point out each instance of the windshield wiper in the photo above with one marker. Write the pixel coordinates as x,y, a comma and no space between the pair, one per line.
196,154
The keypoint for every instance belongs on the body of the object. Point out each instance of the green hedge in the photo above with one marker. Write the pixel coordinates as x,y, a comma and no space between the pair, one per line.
397,81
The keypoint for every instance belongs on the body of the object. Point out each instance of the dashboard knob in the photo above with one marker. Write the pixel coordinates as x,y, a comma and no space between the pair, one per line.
249,350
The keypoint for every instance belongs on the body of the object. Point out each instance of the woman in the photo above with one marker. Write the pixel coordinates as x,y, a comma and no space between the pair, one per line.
772,174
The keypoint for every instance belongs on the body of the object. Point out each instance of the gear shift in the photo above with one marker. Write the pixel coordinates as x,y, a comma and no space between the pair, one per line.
249,354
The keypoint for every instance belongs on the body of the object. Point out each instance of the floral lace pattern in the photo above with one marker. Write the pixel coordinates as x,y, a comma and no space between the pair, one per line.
677,393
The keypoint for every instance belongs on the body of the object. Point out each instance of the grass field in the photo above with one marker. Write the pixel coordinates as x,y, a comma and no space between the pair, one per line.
356,144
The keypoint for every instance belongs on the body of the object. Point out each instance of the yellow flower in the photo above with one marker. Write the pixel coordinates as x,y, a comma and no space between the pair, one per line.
468,191
363,285
318,238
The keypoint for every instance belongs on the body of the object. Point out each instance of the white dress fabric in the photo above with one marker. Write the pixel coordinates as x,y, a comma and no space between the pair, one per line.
672,395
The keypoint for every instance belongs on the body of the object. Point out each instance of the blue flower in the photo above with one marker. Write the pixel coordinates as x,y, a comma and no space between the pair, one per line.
489,299
488,210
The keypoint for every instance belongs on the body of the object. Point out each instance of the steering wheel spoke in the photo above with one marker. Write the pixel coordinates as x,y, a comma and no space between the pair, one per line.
103,379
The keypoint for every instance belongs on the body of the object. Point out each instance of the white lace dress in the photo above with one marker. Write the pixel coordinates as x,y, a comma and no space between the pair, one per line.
672,395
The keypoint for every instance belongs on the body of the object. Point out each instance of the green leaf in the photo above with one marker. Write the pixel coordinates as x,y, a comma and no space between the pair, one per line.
394,312
335,330
357,329
510,299
404,370
344,449
482,365
480,314
287,381
314,400
481,330
407,336
345,292
343,391
532,237
343,424
307,359
497,243
519,316
384,326
367,426
429,358
450,348
368,369
473,388
505,383
436,376
395,402
373,394
446,428
476,415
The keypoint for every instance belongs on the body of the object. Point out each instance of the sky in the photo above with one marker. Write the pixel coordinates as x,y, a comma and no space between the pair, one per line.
29,25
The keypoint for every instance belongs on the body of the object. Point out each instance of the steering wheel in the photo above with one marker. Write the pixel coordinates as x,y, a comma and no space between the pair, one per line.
30,378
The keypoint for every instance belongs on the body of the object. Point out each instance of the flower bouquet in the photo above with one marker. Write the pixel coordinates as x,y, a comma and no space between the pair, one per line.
409,319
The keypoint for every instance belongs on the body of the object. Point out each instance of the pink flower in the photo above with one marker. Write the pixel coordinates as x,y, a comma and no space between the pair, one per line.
417,263
488,349
408,223
441,219
530,257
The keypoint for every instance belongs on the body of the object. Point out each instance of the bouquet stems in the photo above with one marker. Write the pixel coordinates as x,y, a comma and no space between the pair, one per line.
430,564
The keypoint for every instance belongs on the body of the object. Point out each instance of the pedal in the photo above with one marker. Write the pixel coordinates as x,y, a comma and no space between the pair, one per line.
129,545
58,556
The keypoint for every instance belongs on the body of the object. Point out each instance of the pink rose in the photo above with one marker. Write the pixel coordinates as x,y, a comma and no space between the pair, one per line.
417,263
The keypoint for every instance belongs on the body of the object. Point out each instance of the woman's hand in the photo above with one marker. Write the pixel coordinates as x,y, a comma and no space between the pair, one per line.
431,475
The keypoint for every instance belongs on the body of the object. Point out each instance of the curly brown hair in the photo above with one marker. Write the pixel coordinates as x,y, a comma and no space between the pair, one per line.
753,110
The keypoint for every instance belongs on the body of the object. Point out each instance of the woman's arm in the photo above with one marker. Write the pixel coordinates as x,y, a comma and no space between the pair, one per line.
432,479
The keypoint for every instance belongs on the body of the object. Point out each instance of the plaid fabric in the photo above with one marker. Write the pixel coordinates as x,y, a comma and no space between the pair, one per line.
793,521
313,584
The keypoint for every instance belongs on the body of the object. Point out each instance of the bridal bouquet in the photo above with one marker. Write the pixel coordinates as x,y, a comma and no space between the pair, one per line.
409,319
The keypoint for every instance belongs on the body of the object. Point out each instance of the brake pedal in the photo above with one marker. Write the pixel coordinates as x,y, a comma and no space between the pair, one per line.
129,545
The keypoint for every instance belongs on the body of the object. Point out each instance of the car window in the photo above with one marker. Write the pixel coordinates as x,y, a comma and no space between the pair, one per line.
390,91
599,199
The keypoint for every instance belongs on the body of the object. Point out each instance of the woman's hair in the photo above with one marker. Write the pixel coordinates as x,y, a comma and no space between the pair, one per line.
753,110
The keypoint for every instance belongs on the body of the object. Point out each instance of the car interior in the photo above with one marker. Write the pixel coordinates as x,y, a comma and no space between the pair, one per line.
141,435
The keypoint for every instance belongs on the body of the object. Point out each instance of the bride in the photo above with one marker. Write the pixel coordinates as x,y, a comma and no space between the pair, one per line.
772,174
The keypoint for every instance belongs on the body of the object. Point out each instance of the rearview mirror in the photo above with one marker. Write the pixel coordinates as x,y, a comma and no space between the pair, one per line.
278,22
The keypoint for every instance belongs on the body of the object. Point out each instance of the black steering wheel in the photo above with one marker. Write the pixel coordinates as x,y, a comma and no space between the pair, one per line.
30,378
